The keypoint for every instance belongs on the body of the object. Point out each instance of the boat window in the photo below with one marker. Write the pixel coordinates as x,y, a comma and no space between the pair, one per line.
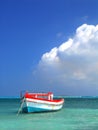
45,97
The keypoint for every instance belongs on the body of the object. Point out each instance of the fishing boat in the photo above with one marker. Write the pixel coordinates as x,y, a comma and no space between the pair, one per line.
40,102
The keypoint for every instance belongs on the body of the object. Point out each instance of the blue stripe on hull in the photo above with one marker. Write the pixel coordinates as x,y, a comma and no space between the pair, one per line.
33,109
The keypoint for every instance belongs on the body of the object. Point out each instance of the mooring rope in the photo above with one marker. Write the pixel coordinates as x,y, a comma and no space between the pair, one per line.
20,108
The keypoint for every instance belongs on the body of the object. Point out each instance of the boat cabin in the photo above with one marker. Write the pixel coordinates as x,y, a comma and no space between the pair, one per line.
48,96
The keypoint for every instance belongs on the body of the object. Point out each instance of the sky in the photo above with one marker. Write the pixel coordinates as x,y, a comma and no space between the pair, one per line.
49,45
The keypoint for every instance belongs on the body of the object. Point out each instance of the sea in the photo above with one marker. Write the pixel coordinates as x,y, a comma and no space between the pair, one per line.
78,113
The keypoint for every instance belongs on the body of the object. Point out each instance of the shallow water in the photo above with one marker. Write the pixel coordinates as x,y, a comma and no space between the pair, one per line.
77,114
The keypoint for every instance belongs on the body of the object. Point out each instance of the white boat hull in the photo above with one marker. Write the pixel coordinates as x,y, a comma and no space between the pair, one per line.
35,105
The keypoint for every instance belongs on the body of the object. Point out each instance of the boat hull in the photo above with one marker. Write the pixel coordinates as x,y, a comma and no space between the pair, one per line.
35,105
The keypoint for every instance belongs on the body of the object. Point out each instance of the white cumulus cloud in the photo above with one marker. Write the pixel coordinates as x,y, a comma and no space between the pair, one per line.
73,64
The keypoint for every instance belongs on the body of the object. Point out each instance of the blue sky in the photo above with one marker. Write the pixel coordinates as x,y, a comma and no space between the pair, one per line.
33,34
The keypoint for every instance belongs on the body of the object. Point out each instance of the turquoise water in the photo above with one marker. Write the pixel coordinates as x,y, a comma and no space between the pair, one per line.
77,114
